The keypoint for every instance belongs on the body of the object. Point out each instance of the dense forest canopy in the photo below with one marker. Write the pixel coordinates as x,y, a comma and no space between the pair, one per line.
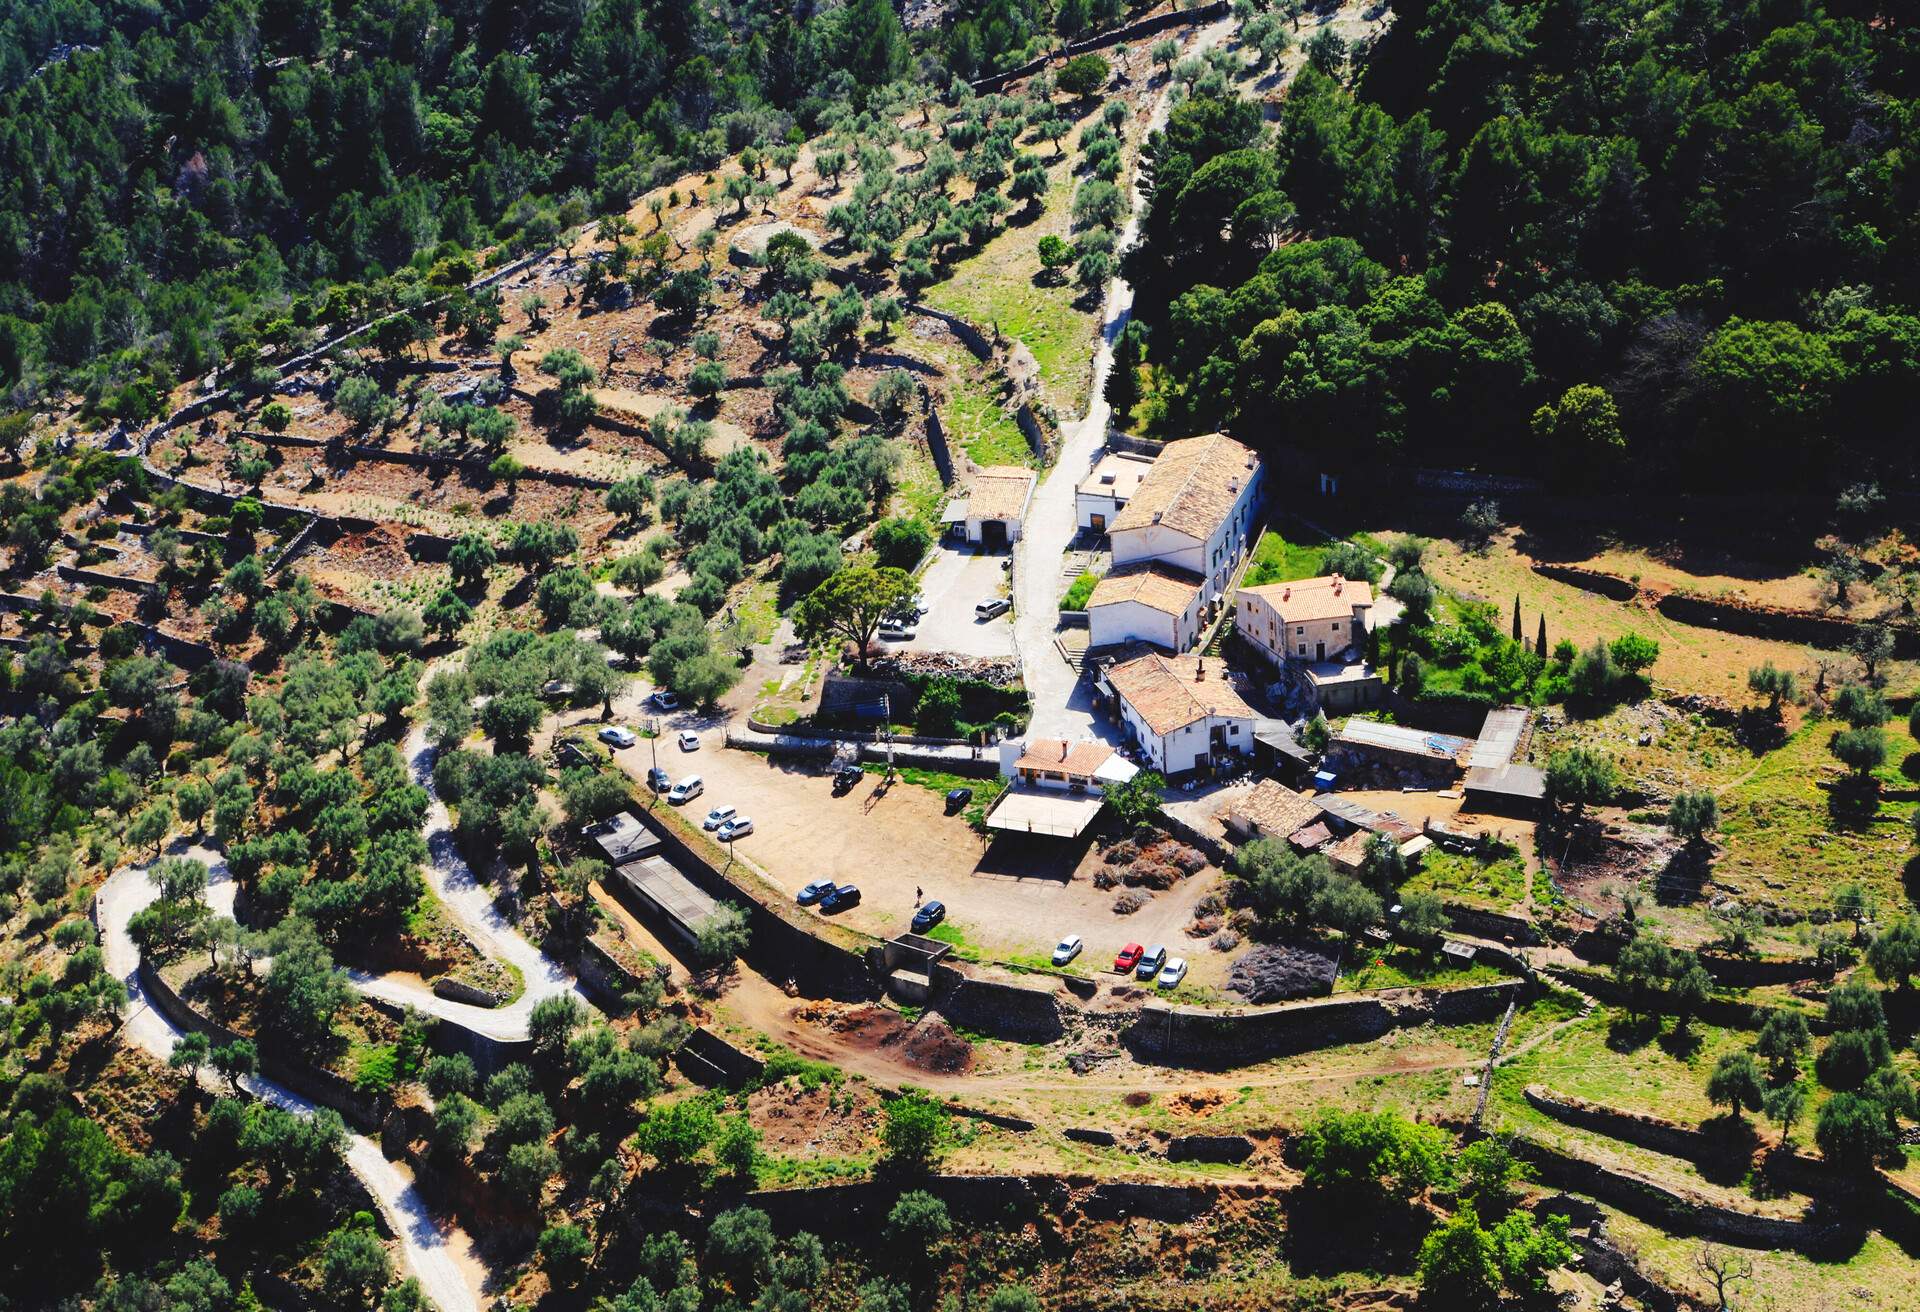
180,183
1574,236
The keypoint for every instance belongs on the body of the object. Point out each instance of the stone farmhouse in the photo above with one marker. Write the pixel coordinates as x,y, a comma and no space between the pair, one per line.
1183,711
1316,628
989,515
1177,538
1192,511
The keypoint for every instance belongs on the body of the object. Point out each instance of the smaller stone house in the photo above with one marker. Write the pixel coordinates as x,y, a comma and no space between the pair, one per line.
1151,603
1183,711
990,514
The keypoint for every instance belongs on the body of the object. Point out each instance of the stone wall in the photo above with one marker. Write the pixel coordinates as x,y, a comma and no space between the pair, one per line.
1210,1039
1020,1013
294,1072
777,948
1609,586
1807,627
1145,27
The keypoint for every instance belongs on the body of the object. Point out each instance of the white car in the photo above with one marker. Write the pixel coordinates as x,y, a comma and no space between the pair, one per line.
1173,972
666,701
686,790
689,741
616,736
738,827
719,816
1067,949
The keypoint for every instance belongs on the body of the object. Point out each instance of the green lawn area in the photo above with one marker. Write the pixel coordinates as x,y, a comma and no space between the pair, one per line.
1405,967
1276,560
975,420
1786,839
1497,883
1631,1075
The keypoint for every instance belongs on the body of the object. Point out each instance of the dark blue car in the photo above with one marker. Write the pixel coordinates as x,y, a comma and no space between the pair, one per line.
929,915
844,896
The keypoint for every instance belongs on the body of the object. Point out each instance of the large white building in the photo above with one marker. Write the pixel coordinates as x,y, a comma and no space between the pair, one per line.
1181,710
1146,603
1193,510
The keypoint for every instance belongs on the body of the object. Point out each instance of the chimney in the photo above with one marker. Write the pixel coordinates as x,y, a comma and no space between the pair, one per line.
1286,593
1156,517
1200,670
1063,749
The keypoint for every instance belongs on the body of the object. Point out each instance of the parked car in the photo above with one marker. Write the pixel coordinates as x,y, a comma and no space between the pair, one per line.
1173,972
1150,962
929,915
615,735
987,610
841,898
719,816
686,790
815,892
659,780
689,741
898,633
738,827
1067,949
847,778
958,798
1129,958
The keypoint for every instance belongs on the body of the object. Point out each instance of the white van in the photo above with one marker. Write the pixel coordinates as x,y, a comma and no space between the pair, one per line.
686,790
719,816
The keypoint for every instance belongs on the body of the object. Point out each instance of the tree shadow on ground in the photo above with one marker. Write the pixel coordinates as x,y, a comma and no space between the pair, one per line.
1630,1034
1683,879
1852,803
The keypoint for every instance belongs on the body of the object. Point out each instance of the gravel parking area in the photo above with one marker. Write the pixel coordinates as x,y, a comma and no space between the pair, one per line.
954,584
1009,898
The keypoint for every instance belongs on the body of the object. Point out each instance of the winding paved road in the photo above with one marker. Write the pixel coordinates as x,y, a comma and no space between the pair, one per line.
470,902
438,1253
1062,702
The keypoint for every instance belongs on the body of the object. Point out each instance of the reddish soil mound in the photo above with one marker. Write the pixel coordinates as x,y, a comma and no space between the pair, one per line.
930,1045
933,1046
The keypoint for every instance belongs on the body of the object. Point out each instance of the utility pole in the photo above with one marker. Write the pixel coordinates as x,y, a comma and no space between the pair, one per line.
886,707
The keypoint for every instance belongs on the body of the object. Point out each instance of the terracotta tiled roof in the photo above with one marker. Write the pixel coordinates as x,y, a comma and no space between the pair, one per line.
1276,810
1191,488
1056,754
1304,601
1172,591
1312,836
1165,692
1350,853
999,492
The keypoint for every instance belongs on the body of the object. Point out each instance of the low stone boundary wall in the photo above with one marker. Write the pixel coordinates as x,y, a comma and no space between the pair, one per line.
1482,923
1609,586
1731,1013
778,948
296,1073
488,1054
1005,1010
1669,1208
1175,17
1197,1037
862,1206
1808,627
737,1066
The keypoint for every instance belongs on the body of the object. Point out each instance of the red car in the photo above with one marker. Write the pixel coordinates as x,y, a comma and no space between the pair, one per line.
1129,958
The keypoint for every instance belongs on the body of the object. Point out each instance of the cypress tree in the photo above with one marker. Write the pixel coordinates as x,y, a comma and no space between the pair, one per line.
1516,617
1540,643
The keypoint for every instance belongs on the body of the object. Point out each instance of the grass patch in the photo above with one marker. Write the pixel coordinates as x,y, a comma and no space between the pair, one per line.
1496,879
779,1171
1789,840
1276,560
951,934
1406,967
784,1063
1075,597
975,420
